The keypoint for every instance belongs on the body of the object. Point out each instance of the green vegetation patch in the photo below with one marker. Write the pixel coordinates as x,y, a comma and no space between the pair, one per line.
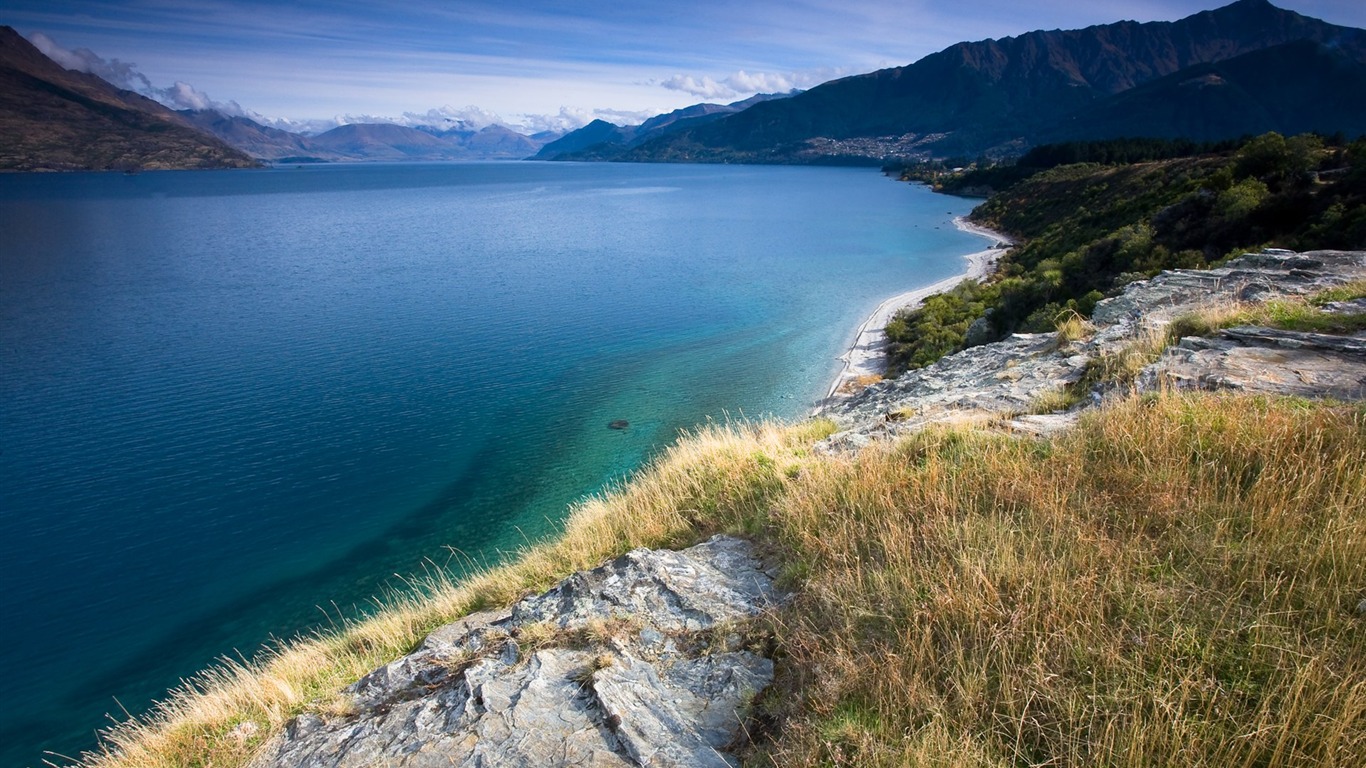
1089,228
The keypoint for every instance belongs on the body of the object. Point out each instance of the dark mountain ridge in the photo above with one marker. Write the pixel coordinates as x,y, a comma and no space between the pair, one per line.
1299,87
997,95
53,118
601,140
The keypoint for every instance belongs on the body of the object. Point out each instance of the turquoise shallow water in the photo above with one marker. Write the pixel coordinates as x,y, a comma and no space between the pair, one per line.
227,399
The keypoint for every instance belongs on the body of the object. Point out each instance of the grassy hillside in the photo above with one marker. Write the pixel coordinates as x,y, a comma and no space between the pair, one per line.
1174,582
1091,219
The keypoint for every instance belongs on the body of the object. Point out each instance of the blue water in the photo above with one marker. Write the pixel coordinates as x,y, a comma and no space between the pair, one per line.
229,398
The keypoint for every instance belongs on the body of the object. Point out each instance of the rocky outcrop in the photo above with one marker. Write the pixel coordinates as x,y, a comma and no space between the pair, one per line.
976,385
1013,383
641,662
1266,360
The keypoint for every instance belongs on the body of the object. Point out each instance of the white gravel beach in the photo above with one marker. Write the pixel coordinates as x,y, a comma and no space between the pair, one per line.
865,356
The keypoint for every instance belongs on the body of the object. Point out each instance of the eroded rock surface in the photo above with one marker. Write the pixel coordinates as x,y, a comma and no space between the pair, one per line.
1268,361
1005,383
636,663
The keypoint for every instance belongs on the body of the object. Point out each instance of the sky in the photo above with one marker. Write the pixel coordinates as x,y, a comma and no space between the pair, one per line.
530,64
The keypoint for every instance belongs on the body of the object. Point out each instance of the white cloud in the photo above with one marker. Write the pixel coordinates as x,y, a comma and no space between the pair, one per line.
703,87
123,74
744,84
567,119
120,73
448,117
185,96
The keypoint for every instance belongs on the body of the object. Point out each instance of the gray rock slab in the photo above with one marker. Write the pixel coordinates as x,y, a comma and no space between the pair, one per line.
682,714
651,695
717,580
981,384
1251,277
1265,361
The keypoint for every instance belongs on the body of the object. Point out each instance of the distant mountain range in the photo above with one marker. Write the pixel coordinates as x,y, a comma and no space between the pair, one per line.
601,140
366,141
1246,68
57,119
1216,74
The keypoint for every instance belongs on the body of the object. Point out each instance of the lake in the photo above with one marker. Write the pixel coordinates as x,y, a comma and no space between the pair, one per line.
233,405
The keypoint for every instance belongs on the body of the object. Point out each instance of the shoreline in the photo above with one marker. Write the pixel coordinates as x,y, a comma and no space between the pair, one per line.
865,355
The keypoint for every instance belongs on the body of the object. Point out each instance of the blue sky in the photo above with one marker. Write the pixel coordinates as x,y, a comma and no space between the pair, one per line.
536,64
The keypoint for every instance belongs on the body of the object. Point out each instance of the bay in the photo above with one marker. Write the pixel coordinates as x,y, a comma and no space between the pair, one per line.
235,405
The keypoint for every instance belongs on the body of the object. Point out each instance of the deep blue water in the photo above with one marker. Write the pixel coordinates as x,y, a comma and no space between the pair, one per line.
229,398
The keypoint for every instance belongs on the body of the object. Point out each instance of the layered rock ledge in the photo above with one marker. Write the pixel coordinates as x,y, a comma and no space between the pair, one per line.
644,661
1006,383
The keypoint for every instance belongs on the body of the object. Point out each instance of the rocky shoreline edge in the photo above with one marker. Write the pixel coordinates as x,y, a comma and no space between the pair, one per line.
865,355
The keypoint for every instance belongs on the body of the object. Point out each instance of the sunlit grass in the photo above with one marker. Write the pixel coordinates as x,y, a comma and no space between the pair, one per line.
1174,582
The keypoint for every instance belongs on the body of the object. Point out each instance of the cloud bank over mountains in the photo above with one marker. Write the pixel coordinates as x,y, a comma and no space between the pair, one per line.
125,75
182,95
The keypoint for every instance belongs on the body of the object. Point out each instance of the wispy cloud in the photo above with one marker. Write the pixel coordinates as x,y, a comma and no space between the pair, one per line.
120,73
743,84
123,74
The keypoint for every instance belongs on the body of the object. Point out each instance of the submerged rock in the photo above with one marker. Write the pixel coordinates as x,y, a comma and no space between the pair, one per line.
612,667
618,424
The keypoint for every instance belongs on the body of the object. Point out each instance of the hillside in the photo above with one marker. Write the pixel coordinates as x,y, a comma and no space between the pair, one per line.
601,140
1089,228
366,141
1003,95
251,137
378,141
57,119
1298,87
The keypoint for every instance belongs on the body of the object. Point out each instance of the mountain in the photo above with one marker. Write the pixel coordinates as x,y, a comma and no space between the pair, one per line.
53,118
992,95
384,141
596,133
601,140
1294,88
367,141
498,142
257,140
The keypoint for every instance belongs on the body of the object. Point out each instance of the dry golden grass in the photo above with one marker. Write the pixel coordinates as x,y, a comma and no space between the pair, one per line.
1071,327
1173,582
859,383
